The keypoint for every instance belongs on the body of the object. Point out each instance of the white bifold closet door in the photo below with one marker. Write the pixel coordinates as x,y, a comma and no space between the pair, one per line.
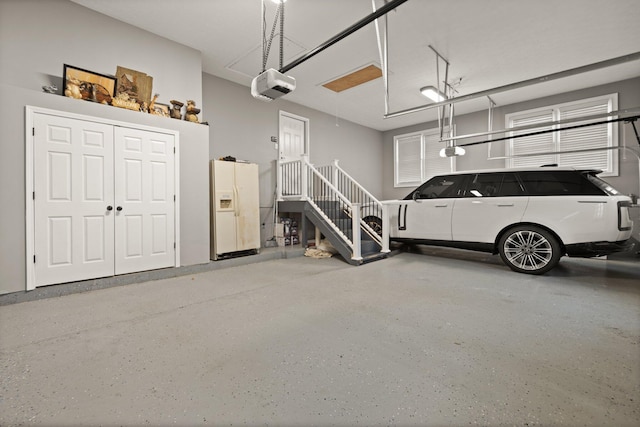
103,200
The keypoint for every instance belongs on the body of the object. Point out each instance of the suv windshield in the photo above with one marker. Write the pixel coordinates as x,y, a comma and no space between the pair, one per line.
603,185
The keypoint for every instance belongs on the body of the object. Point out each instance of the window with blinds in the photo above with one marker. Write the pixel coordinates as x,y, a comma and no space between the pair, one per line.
417,158
586,147
408,160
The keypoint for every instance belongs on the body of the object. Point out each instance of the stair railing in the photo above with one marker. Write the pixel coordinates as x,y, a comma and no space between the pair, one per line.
333,193
370,206
334,208
290,183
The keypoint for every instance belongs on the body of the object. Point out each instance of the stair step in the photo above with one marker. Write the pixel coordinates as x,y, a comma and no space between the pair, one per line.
369,248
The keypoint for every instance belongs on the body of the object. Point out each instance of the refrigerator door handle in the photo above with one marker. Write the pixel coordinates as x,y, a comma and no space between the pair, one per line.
236,201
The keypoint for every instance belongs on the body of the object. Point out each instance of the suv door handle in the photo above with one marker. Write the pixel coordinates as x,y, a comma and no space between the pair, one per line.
441,206
504,204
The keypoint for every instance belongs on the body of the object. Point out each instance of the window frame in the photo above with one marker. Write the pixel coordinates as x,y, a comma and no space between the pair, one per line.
428,150
555,111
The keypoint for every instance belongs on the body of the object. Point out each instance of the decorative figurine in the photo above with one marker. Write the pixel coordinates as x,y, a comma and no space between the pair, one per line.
50,89
122,100
152,105
73,89
176,107
192,112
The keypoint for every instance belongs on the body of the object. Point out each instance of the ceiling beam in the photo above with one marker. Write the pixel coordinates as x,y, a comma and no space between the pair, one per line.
350,30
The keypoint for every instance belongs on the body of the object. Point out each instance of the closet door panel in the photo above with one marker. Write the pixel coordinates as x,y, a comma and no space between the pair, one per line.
73,186
144,198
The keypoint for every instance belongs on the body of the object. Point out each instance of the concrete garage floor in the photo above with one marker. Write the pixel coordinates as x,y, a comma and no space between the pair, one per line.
440,337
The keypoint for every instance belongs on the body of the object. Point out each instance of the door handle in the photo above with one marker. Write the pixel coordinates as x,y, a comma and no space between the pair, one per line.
236,202
109,208
501,205
119,208
441,206
402,221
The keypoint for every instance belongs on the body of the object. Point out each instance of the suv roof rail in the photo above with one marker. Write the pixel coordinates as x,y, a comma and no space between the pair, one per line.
550,165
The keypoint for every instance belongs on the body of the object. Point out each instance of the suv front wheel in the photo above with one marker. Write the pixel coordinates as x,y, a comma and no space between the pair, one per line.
529,249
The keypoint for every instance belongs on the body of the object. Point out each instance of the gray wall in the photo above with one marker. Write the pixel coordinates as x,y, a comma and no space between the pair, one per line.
628,180
242,127
37,37
33,47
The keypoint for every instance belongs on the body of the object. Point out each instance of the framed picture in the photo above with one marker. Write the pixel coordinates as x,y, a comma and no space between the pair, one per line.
135,84
160,110
91,86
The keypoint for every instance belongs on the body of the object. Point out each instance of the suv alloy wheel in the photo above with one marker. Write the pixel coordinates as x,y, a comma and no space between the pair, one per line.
529,249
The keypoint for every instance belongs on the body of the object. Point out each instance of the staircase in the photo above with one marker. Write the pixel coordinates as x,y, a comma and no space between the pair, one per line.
347,215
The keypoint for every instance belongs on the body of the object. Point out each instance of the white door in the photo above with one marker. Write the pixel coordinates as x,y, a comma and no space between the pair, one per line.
293,144
247,206
73,199
144,200
294,131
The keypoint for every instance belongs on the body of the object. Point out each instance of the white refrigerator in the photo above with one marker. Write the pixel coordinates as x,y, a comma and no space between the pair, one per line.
235,208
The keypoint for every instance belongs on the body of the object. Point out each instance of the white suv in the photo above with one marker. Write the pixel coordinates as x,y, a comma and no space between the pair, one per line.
530,216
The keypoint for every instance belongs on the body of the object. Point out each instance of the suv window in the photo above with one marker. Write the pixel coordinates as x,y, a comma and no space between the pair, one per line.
603,185
440,187
494,184
558,183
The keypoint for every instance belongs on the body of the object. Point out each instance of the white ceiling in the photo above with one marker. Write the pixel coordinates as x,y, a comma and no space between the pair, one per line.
489,43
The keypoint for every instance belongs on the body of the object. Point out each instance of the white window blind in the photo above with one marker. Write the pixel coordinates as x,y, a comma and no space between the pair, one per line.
417,158
527,145
594,137
408,160
433,163
565,144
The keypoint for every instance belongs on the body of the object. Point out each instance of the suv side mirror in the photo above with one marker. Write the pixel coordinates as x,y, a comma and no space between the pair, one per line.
415,195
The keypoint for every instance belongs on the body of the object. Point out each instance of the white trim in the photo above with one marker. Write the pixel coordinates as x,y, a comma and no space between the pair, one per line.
30,111
29,189
176,189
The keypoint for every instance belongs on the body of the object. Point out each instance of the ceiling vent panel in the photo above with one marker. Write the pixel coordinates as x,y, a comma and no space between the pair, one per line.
250,64
354,78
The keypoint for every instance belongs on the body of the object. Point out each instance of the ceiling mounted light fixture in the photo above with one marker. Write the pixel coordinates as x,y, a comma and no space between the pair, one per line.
433,94
452,151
